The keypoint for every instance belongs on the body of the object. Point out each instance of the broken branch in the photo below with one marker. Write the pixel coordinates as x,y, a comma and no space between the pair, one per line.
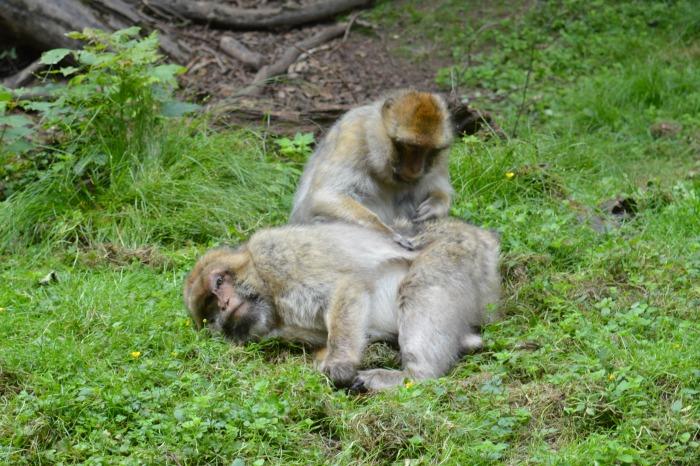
241,53
268,72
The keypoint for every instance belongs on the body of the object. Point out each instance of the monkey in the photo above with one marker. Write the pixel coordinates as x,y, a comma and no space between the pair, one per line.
381,161
337,287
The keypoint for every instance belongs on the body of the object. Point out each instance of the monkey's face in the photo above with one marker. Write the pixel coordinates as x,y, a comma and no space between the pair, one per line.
233,310
412,161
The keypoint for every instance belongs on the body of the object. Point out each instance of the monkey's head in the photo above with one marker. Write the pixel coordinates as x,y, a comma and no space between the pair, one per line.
418,124
219,297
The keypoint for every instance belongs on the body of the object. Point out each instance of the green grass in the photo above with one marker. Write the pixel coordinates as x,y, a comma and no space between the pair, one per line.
596,360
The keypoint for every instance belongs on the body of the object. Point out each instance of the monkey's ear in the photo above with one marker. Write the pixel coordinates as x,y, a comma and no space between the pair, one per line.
236,261
386,106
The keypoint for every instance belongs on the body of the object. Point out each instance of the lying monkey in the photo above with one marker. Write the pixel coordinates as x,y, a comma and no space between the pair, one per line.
340,286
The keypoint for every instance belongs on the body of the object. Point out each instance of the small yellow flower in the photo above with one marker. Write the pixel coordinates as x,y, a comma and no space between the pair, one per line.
611,377
409,384
136,354
510,175
204,321
173,353
2,309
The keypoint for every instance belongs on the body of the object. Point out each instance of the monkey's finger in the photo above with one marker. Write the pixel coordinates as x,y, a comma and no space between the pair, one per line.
423,217
404,242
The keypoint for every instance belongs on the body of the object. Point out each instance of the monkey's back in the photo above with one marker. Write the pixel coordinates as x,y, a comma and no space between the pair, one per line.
331,167
463,260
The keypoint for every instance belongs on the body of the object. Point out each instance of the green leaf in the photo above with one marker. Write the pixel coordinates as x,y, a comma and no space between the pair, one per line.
68,70
304,139
15,121
76,35
625,458
37,106
5,94
126,33
54,56
677,406
166,73
176,108
87,58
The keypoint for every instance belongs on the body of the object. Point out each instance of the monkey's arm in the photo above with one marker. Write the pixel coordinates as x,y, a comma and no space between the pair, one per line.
347,209
346,321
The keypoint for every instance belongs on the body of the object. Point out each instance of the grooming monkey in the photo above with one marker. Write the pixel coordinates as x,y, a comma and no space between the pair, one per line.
340,286
379,162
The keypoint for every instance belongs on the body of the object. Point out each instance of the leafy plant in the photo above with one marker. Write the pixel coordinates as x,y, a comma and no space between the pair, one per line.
111,108
297,149
14,129
117,172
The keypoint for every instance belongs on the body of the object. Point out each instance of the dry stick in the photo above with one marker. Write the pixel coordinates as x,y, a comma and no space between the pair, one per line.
24,76
527,83
241,53
216,56
289,57
230,17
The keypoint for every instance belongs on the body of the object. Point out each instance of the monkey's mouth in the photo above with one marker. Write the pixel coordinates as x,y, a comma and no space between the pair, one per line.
403,178
235,311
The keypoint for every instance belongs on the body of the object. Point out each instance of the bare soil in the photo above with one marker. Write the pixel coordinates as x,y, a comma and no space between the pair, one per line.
323,83
338,75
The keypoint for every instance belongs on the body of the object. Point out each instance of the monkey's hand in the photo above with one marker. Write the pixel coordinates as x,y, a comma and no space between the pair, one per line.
340,373
429,209
406,243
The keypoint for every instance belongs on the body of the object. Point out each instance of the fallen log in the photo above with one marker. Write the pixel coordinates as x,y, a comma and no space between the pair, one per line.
44,24
230,17
280,121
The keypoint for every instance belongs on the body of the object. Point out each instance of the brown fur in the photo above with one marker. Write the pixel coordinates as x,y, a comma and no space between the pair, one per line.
416,118
379,162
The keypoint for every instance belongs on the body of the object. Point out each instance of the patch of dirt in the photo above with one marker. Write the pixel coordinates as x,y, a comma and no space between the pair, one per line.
10,382
116,255
332,78
322,84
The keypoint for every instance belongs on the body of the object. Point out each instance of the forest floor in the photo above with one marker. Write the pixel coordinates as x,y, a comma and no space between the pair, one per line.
595,188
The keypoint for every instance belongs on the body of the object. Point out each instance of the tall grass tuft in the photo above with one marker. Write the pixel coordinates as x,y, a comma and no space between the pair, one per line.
125,169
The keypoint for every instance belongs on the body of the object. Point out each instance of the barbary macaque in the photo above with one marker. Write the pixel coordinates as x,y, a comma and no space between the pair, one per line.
340,286
379,162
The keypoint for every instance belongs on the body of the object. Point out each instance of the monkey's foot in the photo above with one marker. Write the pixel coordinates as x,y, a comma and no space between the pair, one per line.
472,342
340,373
377,379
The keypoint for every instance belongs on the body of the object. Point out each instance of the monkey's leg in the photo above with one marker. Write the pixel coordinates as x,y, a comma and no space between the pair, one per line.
431,330
347,335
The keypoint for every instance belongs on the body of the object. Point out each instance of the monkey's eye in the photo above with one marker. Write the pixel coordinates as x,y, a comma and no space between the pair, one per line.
219,281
